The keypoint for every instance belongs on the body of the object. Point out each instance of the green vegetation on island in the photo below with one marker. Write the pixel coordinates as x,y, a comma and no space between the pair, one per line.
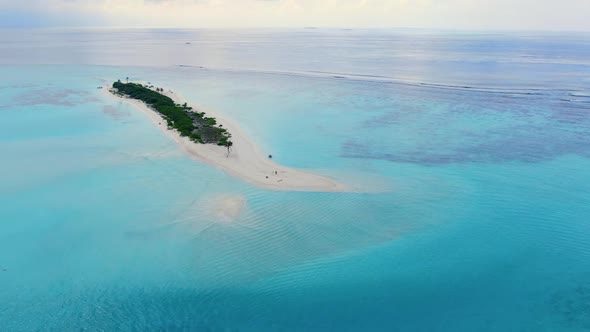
195,125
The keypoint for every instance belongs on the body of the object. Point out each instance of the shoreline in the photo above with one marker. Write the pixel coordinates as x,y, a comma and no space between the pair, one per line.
246,162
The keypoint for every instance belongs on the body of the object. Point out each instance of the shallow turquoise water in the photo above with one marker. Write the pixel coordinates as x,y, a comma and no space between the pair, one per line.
106,225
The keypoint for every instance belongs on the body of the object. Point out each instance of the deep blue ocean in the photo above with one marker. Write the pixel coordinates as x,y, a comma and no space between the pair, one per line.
474,149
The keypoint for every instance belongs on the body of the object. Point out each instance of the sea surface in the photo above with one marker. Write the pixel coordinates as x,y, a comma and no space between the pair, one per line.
470,152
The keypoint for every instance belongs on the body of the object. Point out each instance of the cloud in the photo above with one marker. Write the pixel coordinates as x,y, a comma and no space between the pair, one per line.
34,13
441,14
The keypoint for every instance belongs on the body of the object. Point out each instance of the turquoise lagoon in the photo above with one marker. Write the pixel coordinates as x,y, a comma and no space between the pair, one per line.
472,156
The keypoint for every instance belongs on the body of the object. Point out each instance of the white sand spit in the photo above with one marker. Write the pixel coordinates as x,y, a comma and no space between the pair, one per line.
246,161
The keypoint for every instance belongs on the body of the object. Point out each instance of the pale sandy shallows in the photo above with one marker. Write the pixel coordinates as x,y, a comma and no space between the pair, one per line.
245,161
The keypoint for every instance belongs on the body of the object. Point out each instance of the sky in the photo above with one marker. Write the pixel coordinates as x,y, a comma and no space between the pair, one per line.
544,15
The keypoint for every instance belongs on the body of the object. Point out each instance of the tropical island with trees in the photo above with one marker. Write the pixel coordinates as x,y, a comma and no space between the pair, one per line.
207,139
189,123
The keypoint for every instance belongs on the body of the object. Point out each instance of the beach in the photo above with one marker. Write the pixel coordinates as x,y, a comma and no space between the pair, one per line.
245,161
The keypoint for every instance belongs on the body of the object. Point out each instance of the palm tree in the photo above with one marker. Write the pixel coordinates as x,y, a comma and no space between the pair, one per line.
127,79
228,144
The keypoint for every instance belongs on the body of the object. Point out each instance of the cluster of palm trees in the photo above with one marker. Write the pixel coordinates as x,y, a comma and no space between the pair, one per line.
228,144
157,89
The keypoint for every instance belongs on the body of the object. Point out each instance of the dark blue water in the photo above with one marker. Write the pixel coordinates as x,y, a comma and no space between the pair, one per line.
478,144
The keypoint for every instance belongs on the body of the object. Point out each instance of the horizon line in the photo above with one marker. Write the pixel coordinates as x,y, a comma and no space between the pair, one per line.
478,30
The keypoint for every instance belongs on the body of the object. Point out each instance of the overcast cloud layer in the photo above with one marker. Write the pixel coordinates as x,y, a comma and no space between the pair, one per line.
438,14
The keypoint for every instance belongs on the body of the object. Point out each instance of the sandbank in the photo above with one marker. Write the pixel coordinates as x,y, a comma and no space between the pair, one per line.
246,161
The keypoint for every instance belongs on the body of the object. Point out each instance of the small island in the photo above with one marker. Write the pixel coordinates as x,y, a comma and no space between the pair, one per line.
194,125
207,139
